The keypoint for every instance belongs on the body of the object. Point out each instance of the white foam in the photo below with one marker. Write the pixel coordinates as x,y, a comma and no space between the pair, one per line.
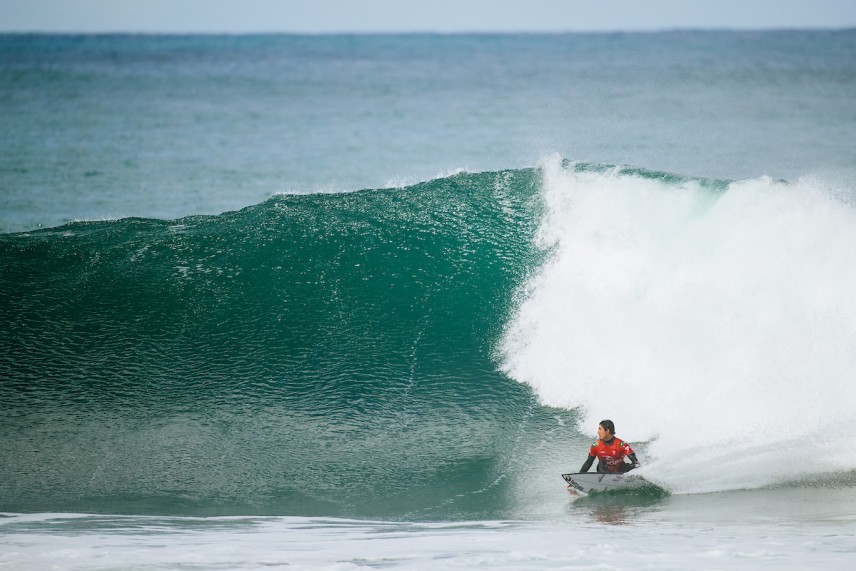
719,325
140,542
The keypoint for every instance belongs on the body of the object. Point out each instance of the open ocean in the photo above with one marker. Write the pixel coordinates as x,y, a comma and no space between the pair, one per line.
357,301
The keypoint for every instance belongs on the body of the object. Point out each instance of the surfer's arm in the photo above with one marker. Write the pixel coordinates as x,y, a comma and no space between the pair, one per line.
588,464
630,454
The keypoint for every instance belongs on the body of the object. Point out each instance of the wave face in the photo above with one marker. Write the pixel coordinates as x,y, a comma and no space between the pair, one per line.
316,354
713,318
429,352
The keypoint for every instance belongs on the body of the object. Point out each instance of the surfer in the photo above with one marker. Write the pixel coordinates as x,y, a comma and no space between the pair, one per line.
610,451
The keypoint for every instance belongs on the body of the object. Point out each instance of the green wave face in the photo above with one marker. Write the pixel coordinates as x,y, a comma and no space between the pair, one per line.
327,354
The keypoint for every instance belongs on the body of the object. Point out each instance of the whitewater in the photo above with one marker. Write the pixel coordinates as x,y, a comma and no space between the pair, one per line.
352,302
708,304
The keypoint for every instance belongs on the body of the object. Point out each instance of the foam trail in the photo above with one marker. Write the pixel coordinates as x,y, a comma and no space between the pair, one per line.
719,324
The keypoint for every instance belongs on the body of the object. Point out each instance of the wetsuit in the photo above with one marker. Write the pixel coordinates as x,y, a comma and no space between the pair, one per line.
610,454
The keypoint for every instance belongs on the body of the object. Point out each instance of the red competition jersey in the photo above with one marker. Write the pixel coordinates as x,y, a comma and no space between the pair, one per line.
612,455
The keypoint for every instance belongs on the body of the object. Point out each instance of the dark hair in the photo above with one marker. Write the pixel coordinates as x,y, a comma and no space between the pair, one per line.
608,425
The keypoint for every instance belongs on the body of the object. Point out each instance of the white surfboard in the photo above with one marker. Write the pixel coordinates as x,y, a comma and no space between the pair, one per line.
587,483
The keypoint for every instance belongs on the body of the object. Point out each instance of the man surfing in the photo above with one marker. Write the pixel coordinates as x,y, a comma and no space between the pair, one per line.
610,452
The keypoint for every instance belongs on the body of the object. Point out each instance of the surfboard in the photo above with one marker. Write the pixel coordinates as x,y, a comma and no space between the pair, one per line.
587,483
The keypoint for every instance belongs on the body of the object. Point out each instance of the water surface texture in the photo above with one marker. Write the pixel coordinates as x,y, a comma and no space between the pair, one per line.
345,302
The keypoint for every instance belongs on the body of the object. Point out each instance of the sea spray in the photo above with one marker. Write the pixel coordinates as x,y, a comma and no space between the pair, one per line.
713,318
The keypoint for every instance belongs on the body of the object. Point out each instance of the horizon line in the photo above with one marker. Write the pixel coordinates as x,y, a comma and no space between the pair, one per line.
665,29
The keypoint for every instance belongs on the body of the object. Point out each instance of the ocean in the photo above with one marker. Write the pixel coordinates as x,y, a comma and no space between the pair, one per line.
358,301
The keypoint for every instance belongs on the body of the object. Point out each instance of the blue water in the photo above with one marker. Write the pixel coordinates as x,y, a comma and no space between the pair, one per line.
356,286
166,126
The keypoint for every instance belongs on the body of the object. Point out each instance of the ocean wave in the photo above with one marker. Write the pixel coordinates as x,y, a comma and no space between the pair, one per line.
313,354
441,350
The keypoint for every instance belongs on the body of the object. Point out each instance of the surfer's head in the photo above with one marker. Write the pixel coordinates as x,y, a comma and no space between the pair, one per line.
606,429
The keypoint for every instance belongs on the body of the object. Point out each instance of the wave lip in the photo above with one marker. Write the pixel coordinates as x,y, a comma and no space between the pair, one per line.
711,318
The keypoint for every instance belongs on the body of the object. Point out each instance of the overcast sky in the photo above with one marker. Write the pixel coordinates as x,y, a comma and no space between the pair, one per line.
313,16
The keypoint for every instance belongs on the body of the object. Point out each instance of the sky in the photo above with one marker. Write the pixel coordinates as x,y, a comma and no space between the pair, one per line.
445,16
